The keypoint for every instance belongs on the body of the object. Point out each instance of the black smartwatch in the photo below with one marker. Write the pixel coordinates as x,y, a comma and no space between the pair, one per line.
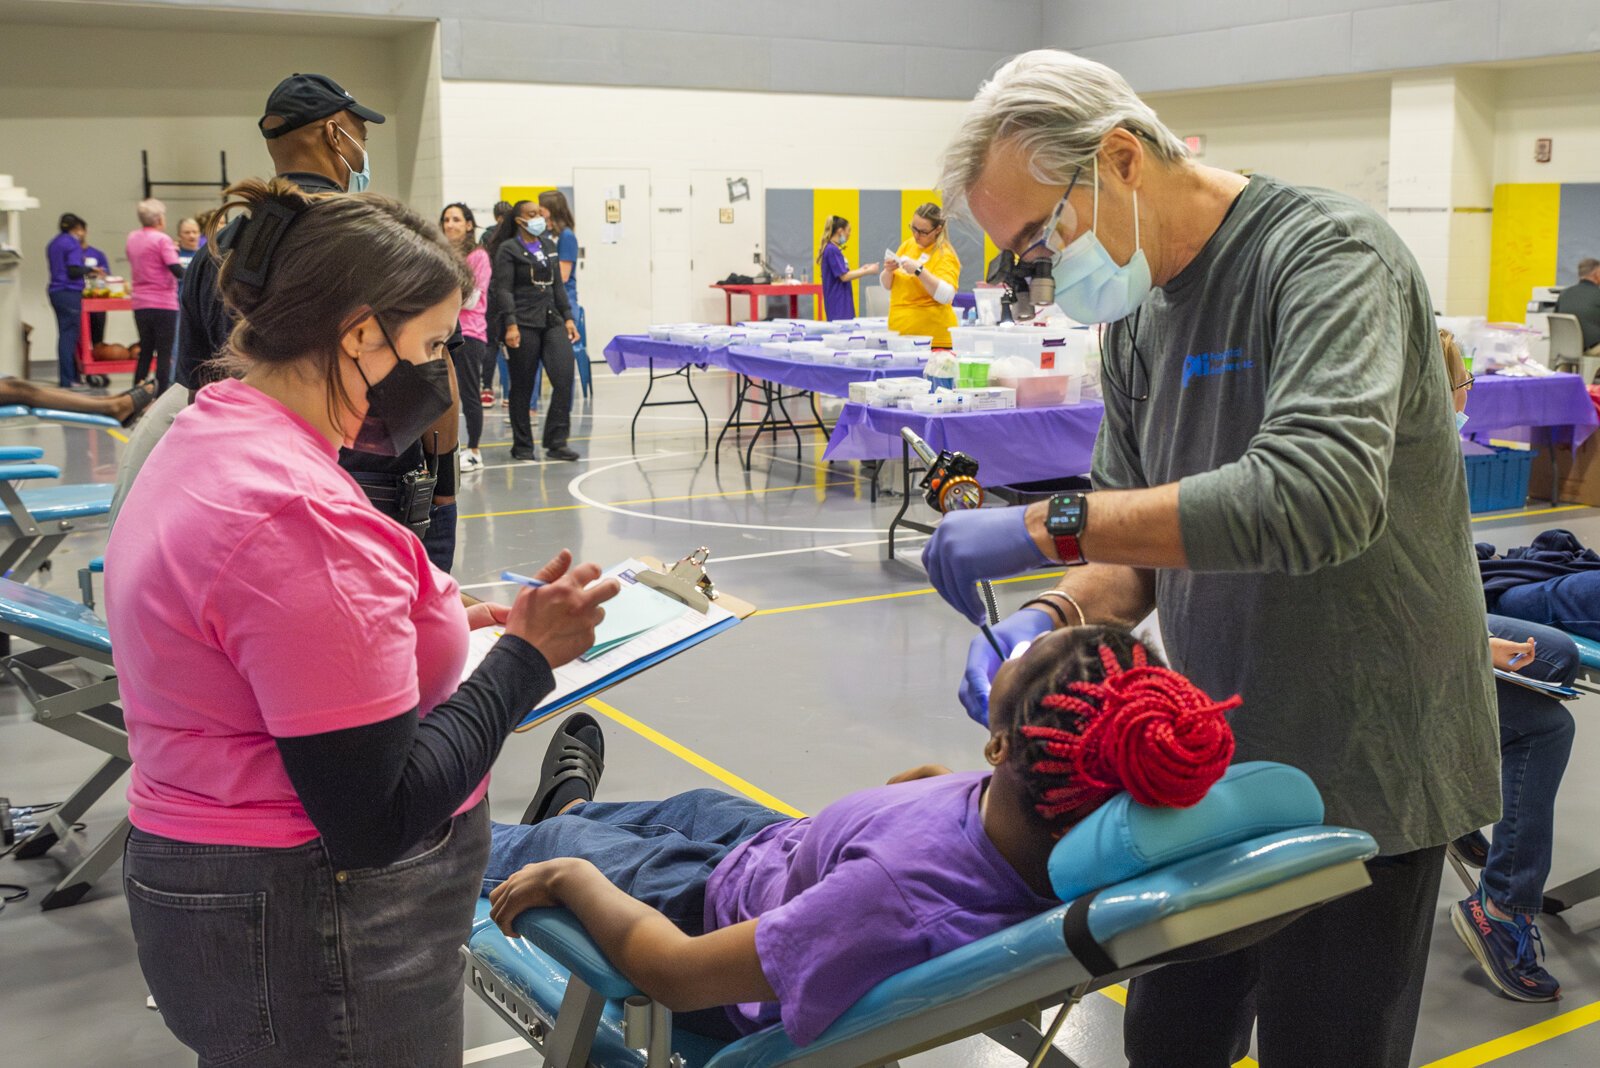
1064,520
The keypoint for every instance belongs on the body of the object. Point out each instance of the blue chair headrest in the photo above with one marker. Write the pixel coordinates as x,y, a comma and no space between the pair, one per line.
1123,839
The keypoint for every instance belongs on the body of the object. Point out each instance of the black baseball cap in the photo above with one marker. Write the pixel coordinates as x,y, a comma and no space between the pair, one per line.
304,98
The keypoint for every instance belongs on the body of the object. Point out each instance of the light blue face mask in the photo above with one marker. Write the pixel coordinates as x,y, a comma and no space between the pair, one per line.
359,180
1461,421
1092,287
534,224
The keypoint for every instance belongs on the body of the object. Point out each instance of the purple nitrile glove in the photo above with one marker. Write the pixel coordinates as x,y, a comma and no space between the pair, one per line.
984,543
982,662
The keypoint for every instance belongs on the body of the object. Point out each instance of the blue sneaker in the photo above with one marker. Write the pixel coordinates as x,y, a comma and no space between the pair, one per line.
1508,952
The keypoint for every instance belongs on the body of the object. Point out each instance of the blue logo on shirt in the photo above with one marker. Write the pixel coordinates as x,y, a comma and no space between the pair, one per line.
1205,364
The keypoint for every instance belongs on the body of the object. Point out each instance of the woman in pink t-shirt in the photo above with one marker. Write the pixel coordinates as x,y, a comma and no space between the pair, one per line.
308,764
154,267
461,230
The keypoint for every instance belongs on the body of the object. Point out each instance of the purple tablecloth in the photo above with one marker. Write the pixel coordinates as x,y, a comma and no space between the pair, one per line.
1516,408
627,351
817,377
1014,445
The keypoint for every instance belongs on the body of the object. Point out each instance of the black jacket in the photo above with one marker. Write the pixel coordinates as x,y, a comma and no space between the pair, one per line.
530,284
204,323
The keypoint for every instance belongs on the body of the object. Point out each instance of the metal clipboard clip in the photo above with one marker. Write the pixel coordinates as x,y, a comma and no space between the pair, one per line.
686,581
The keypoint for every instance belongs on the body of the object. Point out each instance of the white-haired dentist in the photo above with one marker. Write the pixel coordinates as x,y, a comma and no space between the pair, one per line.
1278,474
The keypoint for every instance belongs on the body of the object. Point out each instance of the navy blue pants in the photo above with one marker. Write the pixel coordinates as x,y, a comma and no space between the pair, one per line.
68,306
661,852
1535,741
1570,602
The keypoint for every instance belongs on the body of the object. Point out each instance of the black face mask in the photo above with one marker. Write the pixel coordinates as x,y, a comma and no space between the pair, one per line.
405,403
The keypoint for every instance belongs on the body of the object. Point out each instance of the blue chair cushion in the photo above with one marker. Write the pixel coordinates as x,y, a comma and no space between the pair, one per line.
13,411
13,453
22,472
51,616
1122,838
526,968
98,565
55,415
50,503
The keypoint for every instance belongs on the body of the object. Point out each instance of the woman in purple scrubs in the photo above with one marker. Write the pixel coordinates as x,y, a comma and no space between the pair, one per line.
838,293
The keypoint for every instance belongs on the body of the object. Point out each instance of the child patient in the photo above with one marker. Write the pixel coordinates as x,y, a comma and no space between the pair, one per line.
738,917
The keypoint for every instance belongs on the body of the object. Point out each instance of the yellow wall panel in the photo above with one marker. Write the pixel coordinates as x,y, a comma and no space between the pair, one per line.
1522,246
842,202
513,193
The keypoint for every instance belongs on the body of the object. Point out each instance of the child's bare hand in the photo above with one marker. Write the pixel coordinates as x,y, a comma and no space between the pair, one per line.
921,771
529,888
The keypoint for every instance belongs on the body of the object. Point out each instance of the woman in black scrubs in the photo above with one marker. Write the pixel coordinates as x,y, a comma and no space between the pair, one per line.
538,328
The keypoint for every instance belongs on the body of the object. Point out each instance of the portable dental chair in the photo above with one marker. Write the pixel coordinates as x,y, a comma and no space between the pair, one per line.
34,521
1139,887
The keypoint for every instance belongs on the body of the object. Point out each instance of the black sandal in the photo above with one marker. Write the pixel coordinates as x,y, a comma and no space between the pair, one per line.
568,757
142,398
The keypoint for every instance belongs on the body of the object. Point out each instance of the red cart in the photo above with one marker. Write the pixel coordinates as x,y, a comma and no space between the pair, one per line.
793,290
95,371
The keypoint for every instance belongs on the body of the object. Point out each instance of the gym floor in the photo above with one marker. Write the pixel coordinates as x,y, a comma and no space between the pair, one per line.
847,676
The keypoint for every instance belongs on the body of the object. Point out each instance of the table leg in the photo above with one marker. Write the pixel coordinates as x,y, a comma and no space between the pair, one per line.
794,306
727,299
755,308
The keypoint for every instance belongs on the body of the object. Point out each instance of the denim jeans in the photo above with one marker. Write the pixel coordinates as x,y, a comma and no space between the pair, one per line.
1535,742
661,852
439,540
1570,602
68,306
273,958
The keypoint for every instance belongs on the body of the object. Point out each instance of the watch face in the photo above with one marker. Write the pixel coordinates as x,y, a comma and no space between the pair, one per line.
1066,515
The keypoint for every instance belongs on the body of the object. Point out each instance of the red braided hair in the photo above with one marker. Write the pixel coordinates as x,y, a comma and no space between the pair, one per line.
1149,731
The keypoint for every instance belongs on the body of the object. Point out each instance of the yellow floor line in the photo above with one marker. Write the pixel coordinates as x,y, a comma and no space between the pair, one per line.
1532,511
893,596
1517,1041
648,500
119,435
684,753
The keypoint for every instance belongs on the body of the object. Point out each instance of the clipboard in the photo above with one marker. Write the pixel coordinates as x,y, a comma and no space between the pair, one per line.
686,582
1539,686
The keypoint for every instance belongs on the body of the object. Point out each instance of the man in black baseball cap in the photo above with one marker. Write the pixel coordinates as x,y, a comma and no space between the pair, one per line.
313,124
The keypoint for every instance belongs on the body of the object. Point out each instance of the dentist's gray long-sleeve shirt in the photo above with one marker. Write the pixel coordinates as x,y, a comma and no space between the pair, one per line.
1298,396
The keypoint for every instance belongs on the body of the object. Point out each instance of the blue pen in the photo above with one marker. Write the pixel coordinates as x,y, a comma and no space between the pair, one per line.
522,580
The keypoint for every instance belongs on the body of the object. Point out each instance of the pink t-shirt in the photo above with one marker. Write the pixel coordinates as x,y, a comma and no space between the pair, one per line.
252,592
474,321
149,252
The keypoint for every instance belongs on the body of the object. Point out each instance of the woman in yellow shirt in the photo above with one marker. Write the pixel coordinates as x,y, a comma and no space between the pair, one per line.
921,279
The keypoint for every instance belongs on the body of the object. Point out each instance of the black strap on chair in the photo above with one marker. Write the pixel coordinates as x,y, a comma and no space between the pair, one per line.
1085,950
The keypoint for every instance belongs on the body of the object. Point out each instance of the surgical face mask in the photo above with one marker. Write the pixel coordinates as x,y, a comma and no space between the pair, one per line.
359,180
534,224
1090,286
1461,421
403,404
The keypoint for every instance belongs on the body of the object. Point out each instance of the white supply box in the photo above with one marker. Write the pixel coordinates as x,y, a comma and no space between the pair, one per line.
989,398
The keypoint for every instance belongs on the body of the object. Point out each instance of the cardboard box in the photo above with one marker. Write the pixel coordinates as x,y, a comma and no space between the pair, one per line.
1580,475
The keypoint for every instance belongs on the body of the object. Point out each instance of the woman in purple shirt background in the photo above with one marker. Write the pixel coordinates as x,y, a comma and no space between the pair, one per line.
838,290
64,255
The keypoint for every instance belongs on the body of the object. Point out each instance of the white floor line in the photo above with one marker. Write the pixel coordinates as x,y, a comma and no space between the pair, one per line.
837,552
495,1050
630,457
575,487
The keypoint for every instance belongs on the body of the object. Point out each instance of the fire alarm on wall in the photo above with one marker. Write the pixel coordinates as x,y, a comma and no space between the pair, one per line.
1541,150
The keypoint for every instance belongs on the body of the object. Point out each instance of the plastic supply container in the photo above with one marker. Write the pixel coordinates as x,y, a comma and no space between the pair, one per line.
1497,478
973,372
991,398
1044,390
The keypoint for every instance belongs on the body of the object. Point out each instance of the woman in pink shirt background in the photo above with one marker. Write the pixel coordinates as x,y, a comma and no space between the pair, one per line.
461,230
309,768
154,270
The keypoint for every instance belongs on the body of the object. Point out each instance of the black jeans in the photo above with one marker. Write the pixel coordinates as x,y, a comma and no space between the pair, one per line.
548,344
1337,988
273,958
158,335
468,359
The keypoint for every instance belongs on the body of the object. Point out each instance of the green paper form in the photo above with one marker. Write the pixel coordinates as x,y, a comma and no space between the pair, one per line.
637,610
